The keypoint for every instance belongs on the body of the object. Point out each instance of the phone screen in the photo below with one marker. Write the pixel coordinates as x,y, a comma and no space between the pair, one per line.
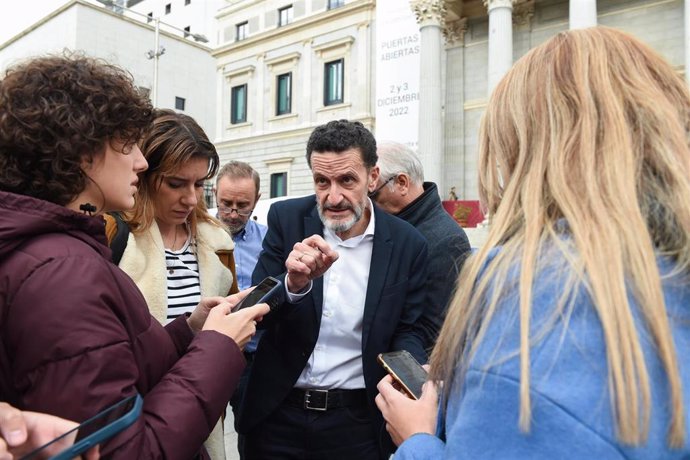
116,417
268,287
105,418
405,370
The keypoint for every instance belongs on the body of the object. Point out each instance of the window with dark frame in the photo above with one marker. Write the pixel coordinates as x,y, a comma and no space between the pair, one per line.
238,104
168,8
209,196
285,15
335,3
278,184
333,82
179,103
241,31
284,93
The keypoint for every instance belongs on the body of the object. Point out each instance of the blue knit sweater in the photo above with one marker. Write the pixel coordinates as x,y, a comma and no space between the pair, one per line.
571,407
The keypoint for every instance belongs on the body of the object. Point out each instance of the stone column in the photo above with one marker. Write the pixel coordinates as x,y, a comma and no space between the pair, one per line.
222,107
500,39
687,40
362,97
583,14
430,16
304,105
259,122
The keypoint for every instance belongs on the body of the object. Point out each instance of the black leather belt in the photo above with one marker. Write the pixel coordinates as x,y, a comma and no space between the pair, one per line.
322,400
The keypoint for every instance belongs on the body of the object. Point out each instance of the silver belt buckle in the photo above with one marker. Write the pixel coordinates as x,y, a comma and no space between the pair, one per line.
307,400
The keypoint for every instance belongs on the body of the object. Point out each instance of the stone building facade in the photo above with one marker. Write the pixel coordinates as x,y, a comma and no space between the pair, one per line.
480,41
283,70
323,51
185,71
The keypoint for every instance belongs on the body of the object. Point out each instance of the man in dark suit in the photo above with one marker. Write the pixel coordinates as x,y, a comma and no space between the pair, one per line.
354,277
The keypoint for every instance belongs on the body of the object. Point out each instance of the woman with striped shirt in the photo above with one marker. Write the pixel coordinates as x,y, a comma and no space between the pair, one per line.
170,252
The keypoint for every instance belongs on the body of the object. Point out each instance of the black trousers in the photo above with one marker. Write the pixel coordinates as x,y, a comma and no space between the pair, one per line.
238,396
292,432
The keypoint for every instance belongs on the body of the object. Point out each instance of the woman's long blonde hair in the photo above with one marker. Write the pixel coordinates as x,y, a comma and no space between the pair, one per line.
590,128
172,142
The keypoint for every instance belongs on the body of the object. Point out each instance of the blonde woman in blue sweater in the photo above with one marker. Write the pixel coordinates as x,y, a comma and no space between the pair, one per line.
567,338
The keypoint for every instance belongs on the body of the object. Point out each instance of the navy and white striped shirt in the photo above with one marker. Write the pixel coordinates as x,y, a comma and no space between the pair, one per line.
184,288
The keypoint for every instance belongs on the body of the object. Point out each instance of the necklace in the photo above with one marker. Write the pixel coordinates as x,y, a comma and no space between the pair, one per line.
174,240
171,268
171,264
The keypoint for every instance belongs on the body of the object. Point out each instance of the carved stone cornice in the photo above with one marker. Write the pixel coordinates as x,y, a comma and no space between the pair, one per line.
429,11
454,32
523,12
493,4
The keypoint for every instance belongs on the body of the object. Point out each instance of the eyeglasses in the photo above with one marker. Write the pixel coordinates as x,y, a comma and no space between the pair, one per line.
240,212
376,191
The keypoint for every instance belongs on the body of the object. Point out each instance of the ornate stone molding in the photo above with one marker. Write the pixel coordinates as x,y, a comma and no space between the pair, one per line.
248,70
287,59
429,11
523,12
344,42
493,4
454,32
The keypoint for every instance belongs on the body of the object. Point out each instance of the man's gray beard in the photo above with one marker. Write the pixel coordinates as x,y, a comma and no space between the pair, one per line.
235,229
340,225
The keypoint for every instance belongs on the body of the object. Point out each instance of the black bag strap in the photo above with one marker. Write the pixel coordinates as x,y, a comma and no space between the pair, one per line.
119,241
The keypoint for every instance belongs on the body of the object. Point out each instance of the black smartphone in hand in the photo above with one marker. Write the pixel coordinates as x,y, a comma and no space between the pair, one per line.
405,370
270,291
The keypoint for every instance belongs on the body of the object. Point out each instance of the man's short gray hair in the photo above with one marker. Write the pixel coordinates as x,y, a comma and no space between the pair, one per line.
396,158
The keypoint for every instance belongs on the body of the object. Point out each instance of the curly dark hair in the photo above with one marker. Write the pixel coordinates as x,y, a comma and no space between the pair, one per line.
340,135
58,111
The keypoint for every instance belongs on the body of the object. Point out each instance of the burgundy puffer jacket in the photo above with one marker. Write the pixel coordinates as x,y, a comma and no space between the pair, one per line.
76,336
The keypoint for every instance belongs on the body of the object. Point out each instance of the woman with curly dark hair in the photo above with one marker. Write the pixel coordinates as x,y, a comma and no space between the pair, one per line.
76,335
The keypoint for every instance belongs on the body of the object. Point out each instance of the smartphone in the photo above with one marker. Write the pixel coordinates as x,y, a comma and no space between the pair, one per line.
95,430
405,370
269,291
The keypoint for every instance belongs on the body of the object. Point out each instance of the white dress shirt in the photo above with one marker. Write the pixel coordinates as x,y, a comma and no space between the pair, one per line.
336,361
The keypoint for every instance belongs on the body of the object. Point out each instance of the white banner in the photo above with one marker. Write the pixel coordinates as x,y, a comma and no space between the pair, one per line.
397,72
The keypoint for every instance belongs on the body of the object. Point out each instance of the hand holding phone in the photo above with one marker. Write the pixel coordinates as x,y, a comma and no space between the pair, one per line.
24,431
93,431
269,291
405,415
405,370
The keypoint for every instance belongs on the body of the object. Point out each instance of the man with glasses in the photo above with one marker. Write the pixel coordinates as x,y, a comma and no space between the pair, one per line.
405,195
237,192
354,277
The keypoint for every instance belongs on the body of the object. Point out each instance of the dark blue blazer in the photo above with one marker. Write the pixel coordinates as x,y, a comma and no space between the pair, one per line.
394,301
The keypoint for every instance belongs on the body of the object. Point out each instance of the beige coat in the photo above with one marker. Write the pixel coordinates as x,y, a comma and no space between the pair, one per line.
144,261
